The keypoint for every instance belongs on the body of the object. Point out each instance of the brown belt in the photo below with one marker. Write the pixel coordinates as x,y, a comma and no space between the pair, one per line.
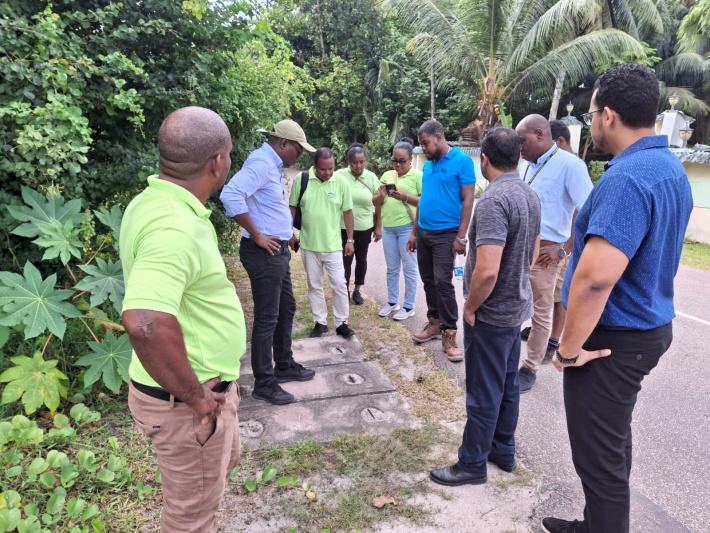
548,243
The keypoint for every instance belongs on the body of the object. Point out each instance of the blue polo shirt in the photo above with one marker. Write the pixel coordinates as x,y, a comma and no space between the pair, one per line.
641,206
440,204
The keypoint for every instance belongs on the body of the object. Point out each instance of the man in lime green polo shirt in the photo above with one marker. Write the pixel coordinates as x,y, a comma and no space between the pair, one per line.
325,202
184,320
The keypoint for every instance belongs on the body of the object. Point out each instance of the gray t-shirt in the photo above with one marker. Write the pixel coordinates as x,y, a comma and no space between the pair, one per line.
507,215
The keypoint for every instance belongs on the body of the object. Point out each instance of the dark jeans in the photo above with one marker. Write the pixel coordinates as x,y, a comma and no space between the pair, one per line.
599,402
491,354
436,265
362,244
274,308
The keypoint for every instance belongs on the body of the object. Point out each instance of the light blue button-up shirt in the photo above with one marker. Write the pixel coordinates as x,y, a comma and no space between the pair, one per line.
562,185
257,189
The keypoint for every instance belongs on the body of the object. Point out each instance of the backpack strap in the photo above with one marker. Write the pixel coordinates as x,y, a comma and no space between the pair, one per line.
304,185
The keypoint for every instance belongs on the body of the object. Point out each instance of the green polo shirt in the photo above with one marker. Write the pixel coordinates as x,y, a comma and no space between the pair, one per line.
362,197
171,264
394,213
322,206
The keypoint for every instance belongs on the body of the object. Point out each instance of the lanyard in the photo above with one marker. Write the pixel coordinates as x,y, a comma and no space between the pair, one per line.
539,169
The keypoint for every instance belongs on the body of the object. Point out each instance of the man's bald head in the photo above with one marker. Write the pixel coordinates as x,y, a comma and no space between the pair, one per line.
535,137
189,137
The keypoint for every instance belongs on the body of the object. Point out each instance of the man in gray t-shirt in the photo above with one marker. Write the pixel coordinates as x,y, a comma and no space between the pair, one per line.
504,237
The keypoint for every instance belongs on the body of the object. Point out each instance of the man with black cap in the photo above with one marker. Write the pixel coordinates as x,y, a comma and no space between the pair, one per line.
255,198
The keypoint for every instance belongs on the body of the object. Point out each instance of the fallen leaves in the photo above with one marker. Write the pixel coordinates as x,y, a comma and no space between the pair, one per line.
311,495
381,501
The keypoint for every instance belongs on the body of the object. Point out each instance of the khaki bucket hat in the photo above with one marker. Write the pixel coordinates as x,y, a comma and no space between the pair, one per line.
291,131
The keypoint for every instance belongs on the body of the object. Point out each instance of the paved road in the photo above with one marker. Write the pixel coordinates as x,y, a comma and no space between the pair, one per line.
670,488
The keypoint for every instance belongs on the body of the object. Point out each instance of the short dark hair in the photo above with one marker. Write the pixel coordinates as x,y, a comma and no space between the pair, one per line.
560,129
430,128
502,148
632,91
355,149
403,145
322,153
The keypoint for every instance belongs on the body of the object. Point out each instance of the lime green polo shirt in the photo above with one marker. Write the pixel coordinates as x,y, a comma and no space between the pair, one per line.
171,264
362,197
393,212
322,206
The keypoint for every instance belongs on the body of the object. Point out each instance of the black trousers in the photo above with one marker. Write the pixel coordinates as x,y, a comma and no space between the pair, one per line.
362,245
599,403
436,265
274,308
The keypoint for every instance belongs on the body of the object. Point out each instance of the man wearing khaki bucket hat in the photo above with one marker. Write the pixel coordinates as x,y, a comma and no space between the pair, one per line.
255,198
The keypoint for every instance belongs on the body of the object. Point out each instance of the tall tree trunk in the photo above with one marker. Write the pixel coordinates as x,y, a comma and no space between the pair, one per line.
431,83
320,31
559,85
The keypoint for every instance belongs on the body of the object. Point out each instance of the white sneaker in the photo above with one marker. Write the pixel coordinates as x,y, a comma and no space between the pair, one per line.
403,313
387,309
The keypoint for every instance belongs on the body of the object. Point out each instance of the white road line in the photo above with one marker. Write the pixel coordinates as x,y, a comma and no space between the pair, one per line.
693,318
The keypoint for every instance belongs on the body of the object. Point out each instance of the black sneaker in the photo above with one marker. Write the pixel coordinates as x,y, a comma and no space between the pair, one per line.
525,333
272,394
557,525
344,330
296,372
318,330
549,354
527,379
357,298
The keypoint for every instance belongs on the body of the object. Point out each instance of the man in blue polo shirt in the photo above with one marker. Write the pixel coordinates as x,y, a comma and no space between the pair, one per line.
619,291
445,206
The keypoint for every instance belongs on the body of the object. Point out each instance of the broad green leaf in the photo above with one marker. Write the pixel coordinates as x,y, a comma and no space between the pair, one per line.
106,476
268,473
42,210
91,511
29,525
68,475
61,240
158,475
112,219
98,526
34,380
110,359
56,501
60,420
10,499
48,479
14,471
9,519
75,506
31,509
4,335
250,485
35,302
283,481
105,280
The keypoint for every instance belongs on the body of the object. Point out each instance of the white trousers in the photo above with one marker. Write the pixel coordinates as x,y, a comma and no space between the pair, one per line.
332,262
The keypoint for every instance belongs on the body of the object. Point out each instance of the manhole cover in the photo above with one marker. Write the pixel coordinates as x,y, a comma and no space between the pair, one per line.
372,414
353,379
251,429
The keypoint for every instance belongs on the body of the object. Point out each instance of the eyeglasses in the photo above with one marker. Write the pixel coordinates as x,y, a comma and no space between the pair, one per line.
297,147
396,161
587,117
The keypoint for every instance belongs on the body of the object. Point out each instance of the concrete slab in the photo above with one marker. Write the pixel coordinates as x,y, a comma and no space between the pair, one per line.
331,350
334,381
323,419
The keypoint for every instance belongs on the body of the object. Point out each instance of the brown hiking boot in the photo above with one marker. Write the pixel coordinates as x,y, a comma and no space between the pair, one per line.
448,344
429,331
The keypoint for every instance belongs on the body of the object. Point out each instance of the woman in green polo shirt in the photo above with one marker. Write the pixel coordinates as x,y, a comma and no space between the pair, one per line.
363,185
398,197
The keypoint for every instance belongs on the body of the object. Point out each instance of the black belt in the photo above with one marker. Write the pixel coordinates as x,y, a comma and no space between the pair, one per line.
162,394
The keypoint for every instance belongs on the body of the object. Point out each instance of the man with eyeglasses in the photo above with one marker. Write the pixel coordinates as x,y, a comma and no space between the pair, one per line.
619,291
256,199
562,183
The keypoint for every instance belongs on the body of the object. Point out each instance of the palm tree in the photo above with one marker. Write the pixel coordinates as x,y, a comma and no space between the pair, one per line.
478,42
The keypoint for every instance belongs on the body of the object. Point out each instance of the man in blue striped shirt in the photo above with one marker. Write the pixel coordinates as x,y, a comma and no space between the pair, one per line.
256,199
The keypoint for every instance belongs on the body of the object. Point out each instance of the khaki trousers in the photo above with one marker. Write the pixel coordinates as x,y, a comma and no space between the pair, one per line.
543,281
332,262
194,459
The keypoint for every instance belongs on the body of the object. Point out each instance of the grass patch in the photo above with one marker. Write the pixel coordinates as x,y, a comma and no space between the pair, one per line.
696,254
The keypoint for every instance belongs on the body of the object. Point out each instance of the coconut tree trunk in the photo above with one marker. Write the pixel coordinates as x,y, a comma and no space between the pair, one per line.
320,31
431,83
556,95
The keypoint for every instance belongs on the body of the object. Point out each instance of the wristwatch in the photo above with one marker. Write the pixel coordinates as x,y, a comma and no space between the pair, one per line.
462,241
351,240
561,253
564,361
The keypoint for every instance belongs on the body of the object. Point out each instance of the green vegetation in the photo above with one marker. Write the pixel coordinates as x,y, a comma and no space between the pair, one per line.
696,254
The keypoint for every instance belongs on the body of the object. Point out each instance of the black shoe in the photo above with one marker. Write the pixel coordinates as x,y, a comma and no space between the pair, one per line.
357,298
505,467
557,525
344,331
453,476
296,372
549,354
273,394
525,333
318,330
527,379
